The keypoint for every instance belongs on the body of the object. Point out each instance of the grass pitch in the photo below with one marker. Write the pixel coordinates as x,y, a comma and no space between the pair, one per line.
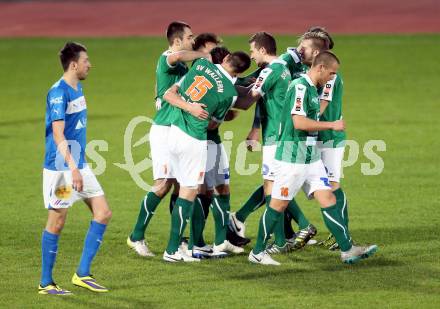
391,94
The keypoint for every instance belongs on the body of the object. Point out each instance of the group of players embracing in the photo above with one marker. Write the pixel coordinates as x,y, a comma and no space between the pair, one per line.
298,110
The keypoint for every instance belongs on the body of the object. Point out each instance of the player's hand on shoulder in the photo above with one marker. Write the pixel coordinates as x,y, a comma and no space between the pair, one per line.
198,111
339,125
77,180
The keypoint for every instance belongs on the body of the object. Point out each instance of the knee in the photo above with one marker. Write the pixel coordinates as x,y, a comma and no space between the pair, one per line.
103,216
328,200
56,226
161,188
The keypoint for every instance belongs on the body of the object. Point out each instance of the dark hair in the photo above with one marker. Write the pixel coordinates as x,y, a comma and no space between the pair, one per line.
204,38
70,52
218,54
240,61
325,58
176,30
330,43
265,40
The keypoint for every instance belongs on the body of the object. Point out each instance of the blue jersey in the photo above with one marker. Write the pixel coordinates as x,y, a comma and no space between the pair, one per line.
65,103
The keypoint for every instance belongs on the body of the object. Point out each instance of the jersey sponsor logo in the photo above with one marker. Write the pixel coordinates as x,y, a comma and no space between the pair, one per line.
298,104
327,90
81,124
284,191
76,105
57,100
198,89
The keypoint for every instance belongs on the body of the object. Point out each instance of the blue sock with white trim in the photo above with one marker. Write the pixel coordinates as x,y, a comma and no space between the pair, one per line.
49,247
92,243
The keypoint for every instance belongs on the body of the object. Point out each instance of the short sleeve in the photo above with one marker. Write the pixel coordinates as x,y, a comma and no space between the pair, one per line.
327,92
265,81
56,104
298,105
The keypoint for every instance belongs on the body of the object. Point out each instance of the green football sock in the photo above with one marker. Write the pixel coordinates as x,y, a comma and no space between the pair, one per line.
297,214
335,224
173,199
267,224
197,224
288,230
280,237
342,203
220,211
255,201
181,213
146,212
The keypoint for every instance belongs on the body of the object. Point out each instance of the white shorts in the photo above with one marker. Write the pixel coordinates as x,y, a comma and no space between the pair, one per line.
268,162
332,159
217,166
188,158
160,154
290,177
58,191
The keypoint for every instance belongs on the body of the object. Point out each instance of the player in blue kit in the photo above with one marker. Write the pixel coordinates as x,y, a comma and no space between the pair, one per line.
66,176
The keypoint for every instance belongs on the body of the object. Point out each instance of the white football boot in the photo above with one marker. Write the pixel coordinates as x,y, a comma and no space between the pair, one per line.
357,253
178,256
226,246
140,247
262,258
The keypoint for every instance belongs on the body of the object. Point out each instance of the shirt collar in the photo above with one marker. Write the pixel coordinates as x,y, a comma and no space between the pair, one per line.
232,79
307,78
278,60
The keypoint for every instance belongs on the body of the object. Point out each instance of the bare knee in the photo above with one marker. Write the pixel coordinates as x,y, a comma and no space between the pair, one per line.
103,216
325,198
162,187
55,224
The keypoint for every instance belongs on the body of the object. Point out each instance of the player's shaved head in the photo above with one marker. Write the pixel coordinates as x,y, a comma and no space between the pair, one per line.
176,29
203,38
218,54
326,58
70,52
330,43
264,40
239,61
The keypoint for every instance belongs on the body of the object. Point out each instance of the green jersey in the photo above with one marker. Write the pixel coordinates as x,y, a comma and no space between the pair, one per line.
298,146
271,84
293,63
214,135
332,92
208,84
166,76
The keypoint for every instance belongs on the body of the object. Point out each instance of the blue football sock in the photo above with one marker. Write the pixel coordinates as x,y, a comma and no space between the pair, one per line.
91,246
49,247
